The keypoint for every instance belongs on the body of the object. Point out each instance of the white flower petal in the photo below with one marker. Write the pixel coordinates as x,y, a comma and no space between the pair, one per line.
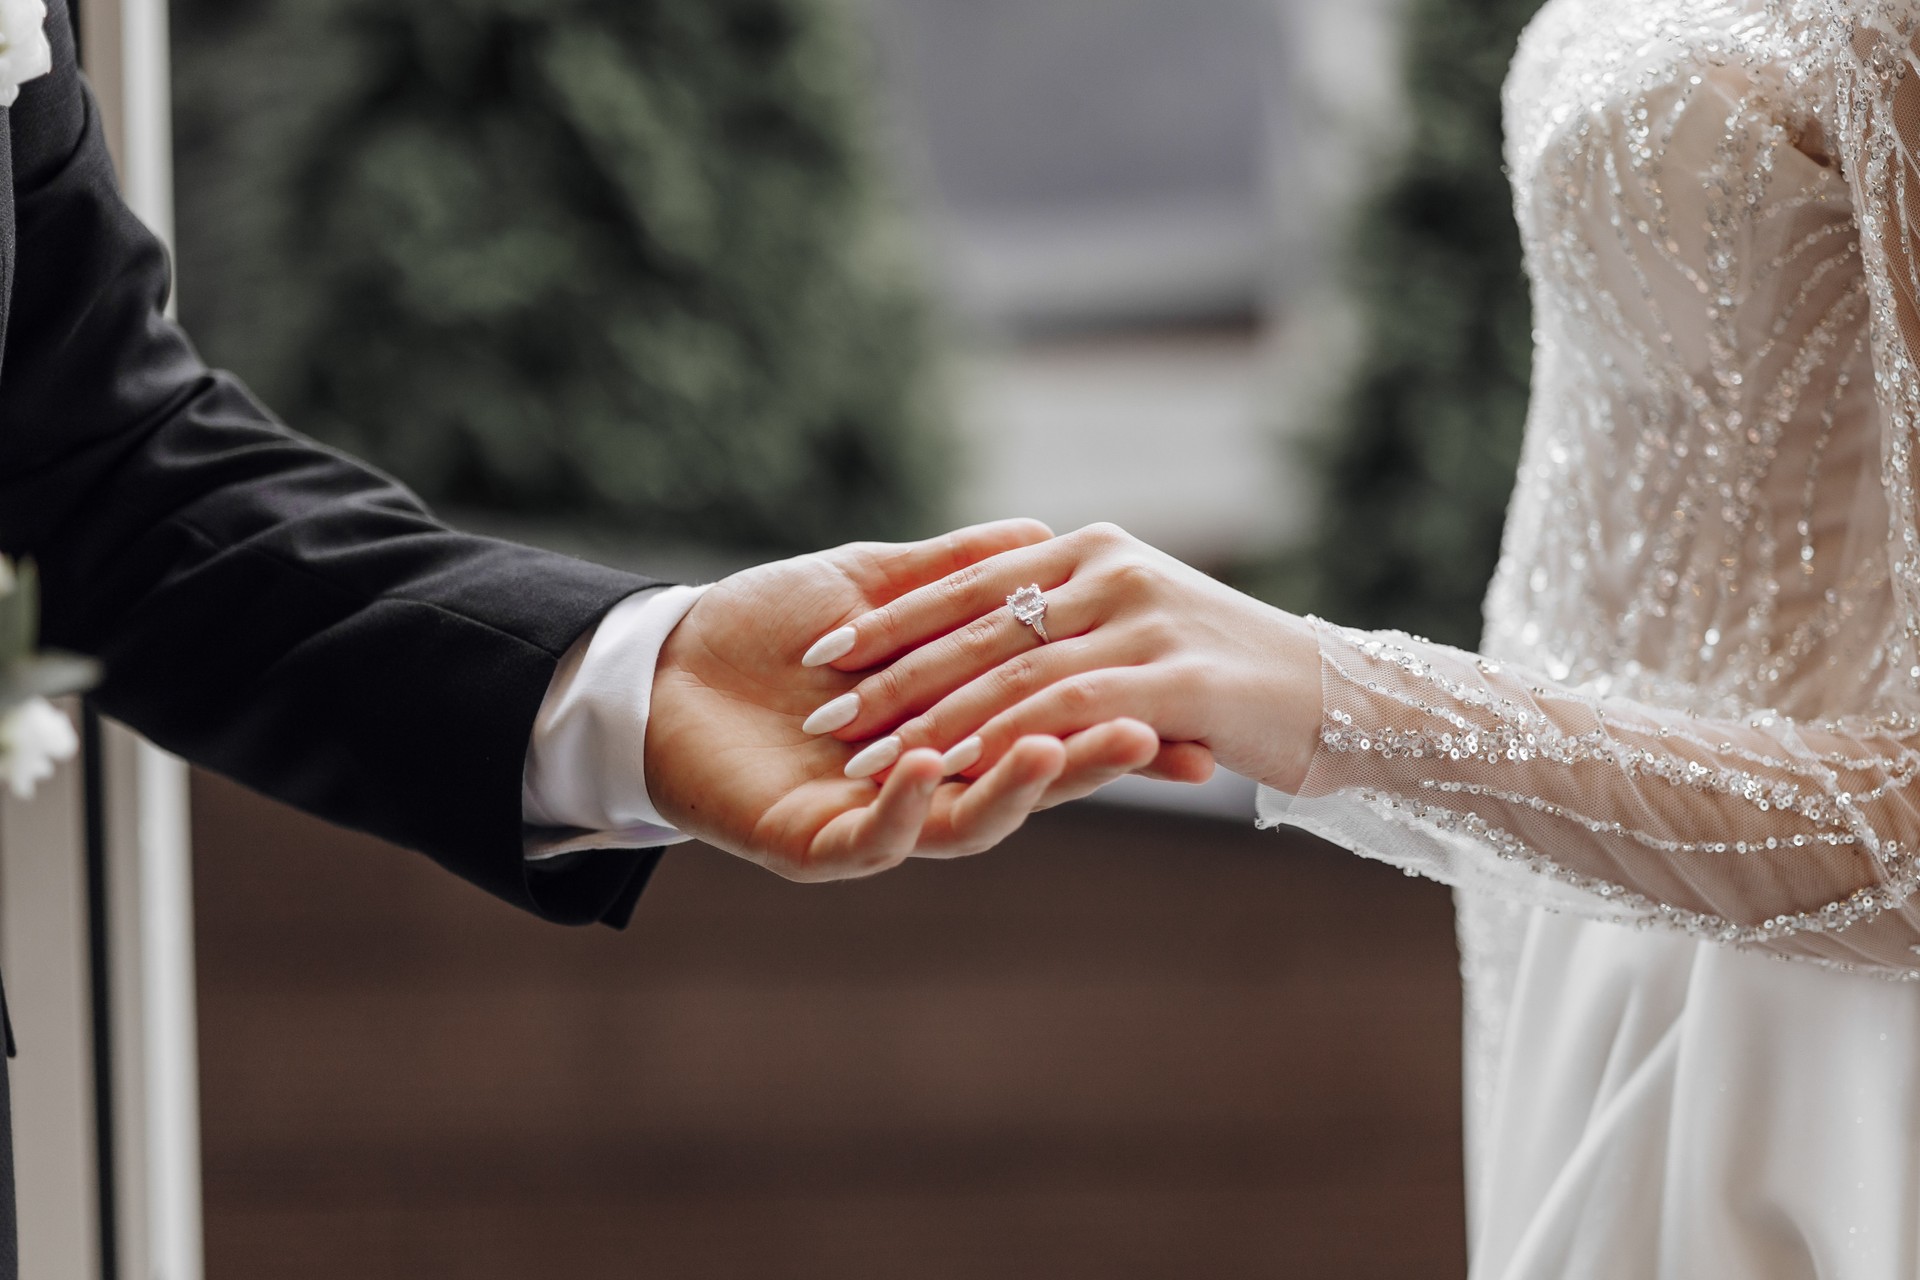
34,736
25,52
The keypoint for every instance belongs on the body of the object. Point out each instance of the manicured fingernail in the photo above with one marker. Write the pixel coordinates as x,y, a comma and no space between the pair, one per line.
830,647
961,756
876,756
837,714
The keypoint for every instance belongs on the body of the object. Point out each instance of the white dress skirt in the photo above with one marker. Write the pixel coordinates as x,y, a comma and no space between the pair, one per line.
1678,792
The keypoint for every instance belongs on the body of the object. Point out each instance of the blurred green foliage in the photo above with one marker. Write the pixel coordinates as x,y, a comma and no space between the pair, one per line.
624,262
1418,461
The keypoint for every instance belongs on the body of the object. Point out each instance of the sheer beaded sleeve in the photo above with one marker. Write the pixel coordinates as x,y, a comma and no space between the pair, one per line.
1759,831
1794,834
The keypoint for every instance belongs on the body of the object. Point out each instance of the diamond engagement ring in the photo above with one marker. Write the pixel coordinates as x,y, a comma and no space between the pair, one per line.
1029,606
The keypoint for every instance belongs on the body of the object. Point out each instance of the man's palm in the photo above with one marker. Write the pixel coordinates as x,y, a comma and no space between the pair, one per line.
727,758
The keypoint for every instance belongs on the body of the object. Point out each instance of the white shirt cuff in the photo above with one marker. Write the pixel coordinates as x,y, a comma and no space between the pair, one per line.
585,785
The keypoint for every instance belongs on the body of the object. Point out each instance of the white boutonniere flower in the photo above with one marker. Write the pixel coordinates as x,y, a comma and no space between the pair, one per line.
35,735
24,51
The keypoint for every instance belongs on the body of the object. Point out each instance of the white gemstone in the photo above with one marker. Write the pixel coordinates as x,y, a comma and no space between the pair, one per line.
1027,604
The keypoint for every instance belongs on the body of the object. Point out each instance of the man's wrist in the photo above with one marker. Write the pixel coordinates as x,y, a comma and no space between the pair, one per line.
659,754
585,767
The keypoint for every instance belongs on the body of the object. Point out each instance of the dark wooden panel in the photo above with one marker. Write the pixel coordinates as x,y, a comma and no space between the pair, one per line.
1123,1045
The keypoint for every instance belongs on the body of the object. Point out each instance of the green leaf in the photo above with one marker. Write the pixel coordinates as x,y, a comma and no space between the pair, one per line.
46,675
26,591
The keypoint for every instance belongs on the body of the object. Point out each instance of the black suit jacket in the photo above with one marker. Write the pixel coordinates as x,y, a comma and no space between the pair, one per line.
262,605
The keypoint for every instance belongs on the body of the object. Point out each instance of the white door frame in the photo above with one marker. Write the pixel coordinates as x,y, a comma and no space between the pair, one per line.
96,890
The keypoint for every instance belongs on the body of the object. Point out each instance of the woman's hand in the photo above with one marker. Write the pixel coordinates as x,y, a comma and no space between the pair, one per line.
1135,633
727,759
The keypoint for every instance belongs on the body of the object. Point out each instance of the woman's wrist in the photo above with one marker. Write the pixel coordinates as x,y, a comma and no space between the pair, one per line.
1294,704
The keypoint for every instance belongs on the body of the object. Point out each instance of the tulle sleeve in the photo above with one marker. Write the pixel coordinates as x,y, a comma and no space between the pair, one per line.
1763,832
1796,837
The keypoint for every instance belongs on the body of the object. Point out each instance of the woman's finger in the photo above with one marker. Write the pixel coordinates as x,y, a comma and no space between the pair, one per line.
1100,755
950,722
957,716
1064,708
885,571
920,679
863,841
930,612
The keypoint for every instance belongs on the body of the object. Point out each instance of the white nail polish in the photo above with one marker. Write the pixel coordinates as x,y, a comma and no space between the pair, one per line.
830,647
876,756
961,756
837,714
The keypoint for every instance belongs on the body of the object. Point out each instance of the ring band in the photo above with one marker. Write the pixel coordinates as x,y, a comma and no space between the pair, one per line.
1029,605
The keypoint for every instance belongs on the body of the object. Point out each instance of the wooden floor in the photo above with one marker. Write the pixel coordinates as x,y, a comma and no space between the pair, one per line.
1123,1046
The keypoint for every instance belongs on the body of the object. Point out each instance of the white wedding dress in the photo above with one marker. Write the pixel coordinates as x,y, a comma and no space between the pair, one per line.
1679,793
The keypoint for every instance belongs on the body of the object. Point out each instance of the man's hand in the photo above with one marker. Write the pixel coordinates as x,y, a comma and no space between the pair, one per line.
728,762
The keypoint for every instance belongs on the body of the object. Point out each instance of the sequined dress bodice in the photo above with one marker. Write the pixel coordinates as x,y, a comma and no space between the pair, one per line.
1698,515
1698,702
1690,744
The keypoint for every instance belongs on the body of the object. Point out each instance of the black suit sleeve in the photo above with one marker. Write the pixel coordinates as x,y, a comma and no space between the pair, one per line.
263,606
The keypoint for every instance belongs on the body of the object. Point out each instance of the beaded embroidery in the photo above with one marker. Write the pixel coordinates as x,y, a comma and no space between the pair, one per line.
1702,634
